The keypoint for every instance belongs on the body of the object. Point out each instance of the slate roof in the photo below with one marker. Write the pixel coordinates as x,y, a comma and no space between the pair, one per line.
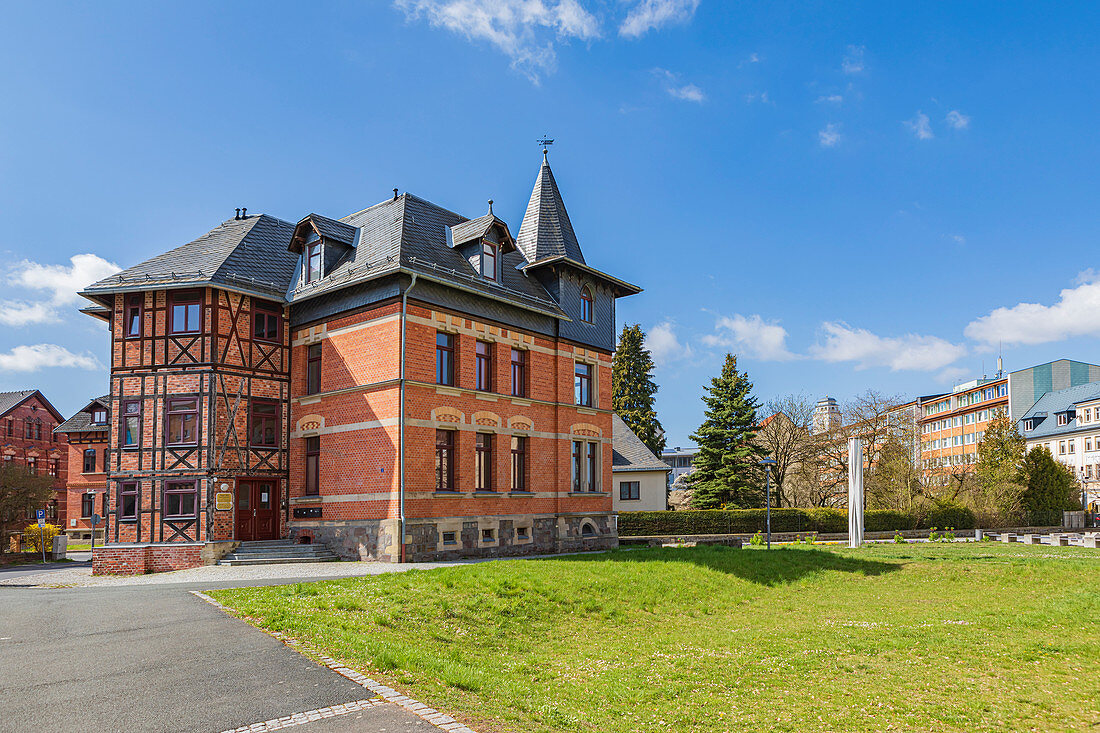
333,229
629,453
81,422
407,233
243,254
10,400
1050,404
468,231
546,230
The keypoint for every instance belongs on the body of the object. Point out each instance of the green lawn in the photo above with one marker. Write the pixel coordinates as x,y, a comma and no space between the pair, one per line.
913,637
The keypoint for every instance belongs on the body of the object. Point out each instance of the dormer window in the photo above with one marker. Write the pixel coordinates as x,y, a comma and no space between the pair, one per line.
99,416
1063,418
1029,425
489,256
586,304
313,261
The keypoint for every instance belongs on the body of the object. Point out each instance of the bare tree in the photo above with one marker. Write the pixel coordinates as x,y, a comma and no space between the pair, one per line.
877,419
785,435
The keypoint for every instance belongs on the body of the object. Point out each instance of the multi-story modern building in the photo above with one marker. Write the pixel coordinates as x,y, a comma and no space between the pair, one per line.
27,439
403,383
86,487
680,460
952,425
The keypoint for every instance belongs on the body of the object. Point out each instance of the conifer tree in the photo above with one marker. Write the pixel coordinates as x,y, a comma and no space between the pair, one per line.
726,470
632,388
1051,485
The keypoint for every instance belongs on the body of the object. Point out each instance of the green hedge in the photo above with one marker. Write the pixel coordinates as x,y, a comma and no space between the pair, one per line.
745,521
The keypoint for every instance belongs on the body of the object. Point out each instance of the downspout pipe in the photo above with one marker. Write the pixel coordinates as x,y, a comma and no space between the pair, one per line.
401,425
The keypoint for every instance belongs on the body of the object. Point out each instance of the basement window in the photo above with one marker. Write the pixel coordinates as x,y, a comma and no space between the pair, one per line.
522,533
449,538
487,535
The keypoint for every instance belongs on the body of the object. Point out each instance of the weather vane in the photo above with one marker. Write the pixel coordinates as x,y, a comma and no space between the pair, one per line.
545,142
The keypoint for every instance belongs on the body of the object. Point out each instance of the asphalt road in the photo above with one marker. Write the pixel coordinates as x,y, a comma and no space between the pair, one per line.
18,571
159,659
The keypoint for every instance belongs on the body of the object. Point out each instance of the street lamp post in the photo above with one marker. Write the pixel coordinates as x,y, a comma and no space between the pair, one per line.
767,463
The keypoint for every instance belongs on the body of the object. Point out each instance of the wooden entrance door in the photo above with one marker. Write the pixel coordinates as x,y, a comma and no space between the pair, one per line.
256,510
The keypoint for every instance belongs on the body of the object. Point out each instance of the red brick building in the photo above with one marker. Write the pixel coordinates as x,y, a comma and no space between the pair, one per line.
27,438
403,383
86,489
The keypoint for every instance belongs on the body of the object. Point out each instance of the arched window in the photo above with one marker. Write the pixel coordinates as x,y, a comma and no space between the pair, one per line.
586,304
588,529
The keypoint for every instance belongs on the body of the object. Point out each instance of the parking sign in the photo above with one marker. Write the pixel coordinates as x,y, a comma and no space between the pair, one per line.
41,514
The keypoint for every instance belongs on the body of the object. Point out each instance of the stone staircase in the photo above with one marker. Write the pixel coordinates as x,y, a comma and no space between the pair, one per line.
274,552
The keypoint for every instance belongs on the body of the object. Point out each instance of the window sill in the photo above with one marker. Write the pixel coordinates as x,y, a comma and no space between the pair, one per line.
486,492
521,493
589,493
447,493
585,410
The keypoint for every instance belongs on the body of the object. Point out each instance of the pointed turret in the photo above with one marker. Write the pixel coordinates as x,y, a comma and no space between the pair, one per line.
546,230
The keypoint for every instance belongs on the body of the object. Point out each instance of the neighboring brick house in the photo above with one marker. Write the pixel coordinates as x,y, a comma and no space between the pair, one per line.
27,420
86,488
402,383
640,477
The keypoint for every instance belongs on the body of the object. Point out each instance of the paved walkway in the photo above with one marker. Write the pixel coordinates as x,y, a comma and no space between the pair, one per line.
80,576
147,655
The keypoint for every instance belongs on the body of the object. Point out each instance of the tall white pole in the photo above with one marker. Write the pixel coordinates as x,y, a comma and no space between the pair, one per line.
855,492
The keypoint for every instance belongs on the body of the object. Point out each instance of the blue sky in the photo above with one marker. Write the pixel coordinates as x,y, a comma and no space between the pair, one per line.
848,195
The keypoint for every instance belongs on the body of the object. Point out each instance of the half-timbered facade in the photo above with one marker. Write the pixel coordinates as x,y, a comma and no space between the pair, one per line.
401,383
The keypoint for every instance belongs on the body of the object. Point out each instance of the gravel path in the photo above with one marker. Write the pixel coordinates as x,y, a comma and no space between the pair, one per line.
81,577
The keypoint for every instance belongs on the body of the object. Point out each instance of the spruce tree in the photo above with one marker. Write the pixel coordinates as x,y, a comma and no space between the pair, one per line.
726,471
632,388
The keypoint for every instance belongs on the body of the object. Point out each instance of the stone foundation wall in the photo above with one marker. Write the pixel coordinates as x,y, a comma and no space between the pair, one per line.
548,536
142,559
368,539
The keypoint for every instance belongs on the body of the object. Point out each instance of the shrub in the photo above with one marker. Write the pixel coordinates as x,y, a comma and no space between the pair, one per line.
34,536
952,514
748,521
757,540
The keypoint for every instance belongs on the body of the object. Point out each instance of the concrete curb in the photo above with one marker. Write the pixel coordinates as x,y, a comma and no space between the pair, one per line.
388,694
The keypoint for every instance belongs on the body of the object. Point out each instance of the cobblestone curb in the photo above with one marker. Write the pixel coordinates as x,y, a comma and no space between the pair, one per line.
289,721
387,694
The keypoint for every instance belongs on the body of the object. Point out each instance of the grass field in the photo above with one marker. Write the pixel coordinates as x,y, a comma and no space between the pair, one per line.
913,637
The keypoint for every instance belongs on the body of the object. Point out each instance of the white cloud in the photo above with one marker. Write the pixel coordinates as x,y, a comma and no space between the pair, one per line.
958,120
762,97
753,58
853,60
958,239
829,136
22,313
752,336
829,99
911,351
1086,276
686,92
524,30
1077,313
63,282
647,15
41,356
664,345
920,126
